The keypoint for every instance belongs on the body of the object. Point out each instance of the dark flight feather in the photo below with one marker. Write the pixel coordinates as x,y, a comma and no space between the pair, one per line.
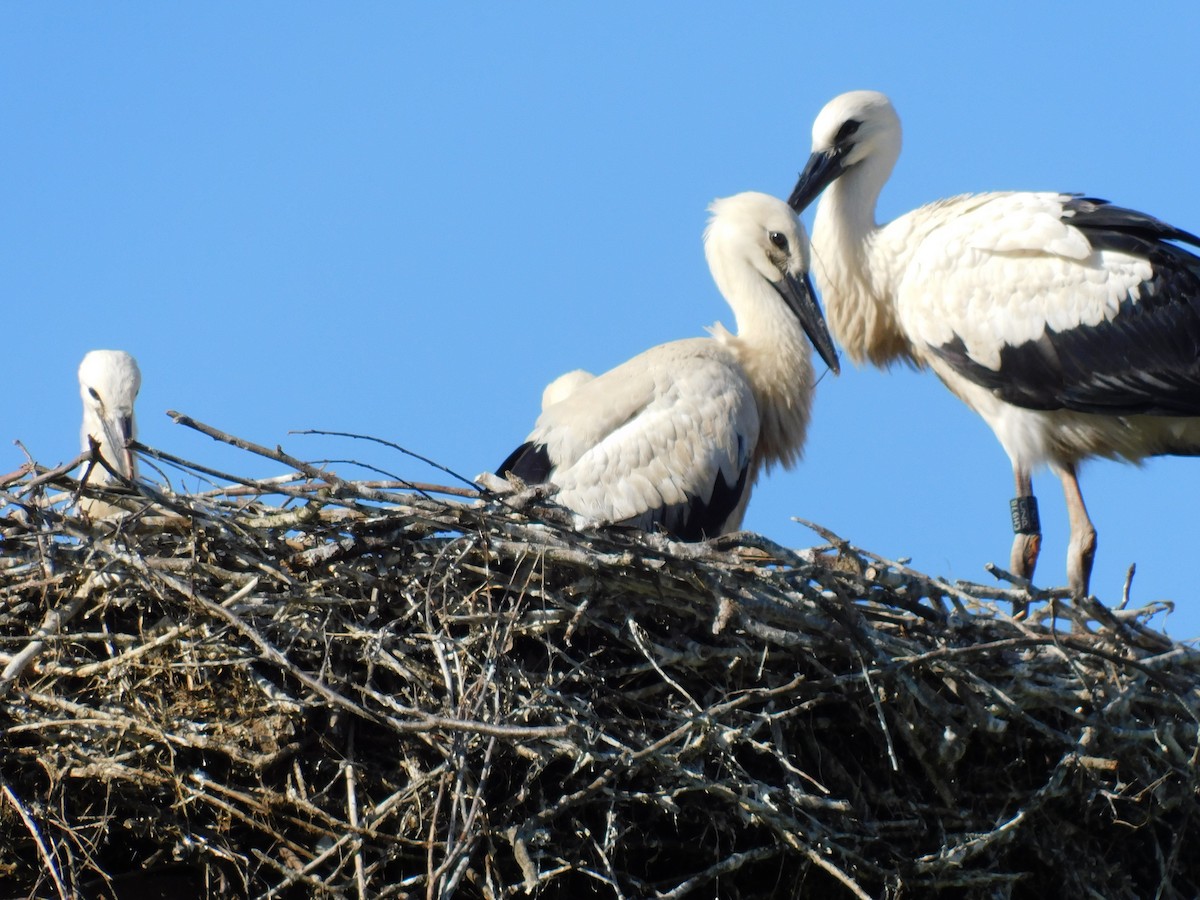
1146,360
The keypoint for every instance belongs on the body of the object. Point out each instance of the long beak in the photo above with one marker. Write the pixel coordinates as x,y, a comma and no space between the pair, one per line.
802,300
822,168
118,432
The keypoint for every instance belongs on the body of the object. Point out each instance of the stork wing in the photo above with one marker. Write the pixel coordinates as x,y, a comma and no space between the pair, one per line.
1061,302
664,440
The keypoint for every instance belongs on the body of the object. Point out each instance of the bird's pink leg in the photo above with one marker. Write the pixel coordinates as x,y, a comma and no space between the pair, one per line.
1081,552
1028,530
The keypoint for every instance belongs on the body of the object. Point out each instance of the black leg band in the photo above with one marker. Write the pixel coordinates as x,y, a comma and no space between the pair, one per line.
1025,515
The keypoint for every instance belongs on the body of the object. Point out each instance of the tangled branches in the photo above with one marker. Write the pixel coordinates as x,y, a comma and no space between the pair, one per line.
311,686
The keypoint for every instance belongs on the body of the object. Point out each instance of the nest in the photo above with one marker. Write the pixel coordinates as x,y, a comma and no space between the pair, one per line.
307,686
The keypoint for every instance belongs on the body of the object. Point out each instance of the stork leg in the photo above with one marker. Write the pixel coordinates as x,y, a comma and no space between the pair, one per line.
1081,552
1028,530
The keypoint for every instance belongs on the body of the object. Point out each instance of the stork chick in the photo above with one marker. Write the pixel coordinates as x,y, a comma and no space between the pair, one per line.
1070,325
675,438
109,381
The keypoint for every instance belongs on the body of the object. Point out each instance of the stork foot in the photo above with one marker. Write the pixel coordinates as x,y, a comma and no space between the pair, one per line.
1081,554
1024,559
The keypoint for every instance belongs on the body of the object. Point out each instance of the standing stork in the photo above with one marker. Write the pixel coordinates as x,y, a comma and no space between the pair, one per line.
109,381
674,438
1070,325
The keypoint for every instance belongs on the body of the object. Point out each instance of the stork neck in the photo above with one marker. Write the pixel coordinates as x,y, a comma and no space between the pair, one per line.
774,352
94,428
851,200
852,270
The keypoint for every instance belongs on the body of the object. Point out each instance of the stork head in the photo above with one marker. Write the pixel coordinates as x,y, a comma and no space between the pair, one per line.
758,236
851,129
109,381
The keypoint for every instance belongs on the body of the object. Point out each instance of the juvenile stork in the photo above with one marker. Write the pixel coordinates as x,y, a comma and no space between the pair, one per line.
109,381
674,438
1070,325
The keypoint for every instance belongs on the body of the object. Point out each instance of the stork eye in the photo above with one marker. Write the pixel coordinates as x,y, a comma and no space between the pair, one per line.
779,240
95,396
847,131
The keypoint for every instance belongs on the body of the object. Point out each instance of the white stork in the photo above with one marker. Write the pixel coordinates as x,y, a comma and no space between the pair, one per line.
1070,325
564,386
674,438
109,381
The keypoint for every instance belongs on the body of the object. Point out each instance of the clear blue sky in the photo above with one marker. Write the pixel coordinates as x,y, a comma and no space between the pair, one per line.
405,219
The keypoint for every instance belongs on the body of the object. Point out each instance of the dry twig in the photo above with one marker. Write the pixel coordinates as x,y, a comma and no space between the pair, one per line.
310,684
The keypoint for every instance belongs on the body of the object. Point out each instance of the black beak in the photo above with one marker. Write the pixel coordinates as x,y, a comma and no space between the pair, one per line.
798,294
126,425
821,168
118,432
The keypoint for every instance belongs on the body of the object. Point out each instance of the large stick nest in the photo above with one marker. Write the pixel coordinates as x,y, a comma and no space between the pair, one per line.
310,687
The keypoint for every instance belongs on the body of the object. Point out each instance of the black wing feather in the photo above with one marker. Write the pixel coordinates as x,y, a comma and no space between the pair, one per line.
530,462
694,519
1146,360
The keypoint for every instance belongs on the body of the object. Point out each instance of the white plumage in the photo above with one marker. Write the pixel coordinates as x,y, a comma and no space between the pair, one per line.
674,438
1070,325
109,381
564,386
